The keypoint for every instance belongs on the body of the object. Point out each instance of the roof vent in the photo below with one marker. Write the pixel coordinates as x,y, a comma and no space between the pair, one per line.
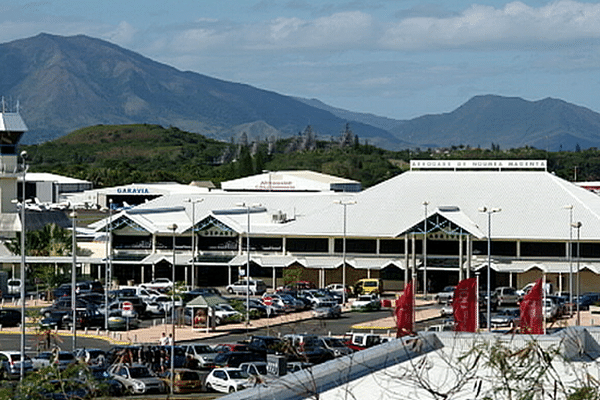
279,217
449,208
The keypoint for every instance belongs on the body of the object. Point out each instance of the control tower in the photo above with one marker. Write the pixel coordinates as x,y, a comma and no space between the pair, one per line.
12,129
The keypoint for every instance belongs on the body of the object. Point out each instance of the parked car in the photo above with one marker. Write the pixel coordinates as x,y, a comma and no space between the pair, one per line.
10,364
550,309
586,300
327,312
253,286
61,359
160,284
86,318
366,302
507,318
10,317
319,299
338,289
117,322
335,345
186,380
506,295
13,287
255,368
447,309
446,295
235,358
136,378
102,383
264,344
307,348
65,389
203,353
225,313
91,356
227,380
368,286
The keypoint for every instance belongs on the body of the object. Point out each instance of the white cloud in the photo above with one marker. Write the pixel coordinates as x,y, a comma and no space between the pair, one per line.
516,24
123,34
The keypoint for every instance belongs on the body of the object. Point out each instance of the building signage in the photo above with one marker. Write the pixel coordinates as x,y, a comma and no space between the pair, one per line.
478,164
129,190
276,185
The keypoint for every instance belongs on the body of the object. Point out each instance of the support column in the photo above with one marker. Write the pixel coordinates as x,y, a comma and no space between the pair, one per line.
406,261
143,273
274,279
414,262
469,255
460,258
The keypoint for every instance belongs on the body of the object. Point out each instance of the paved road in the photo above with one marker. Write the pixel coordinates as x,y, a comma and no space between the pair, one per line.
334,327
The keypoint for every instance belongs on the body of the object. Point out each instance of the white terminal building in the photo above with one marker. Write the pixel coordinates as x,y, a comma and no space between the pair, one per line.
426,221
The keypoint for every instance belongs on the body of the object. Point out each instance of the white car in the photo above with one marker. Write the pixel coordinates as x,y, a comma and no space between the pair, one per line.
161,284
224,312
10,364
227,380
253,286
366,302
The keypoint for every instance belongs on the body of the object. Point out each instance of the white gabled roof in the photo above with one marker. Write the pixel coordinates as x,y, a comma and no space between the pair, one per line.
12,122
531,202
288,181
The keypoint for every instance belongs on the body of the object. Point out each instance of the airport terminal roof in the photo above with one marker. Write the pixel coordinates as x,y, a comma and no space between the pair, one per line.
532,207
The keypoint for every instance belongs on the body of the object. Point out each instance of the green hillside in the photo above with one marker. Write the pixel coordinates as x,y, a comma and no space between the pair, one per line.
122,154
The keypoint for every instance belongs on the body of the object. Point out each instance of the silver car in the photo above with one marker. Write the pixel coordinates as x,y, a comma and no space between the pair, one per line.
136,379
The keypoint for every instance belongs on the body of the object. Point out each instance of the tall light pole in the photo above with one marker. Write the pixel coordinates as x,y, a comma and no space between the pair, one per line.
108,272
570,256
425,204
248,207
344,203
489,212
73,280
23,233
577,225
173,227
193,202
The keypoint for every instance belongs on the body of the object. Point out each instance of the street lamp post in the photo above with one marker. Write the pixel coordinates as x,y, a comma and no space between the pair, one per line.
344,203
577,225
173,227
73,280
425,204
489,212
23,232
248,208
570,256
108,272
193,202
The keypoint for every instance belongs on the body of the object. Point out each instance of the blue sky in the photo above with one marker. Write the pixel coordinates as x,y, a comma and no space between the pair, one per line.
395,58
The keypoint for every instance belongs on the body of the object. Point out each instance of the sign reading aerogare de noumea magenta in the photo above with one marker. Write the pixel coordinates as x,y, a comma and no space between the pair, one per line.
478,164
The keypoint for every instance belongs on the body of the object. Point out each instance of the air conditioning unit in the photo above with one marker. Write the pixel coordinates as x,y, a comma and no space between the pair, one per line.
279,217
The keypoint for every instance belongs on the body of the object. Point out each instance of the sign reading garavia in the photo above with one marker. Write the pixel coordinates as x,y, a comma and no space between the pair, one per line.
478,164
133,190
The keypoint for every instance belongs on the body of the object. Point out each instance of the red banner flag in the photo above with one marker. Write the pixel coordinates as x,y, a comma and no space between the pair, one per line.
404,312
464,305
532,319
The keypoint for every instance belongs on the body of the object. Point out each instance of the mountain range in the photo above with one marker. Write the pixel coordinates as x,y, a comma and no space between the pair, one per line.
65,83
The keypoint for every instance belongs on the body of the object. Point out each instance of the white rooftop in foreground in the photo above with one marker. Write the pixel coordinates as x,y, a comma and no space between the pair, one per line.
434,366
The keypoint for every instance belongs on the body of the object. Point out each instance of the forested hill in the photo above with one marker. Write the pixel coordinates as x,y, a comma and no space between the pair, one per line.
121,154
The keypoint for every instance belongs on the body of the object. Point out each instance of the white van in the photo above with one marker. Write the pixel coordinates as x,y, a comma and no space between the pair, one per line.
254,286
13,287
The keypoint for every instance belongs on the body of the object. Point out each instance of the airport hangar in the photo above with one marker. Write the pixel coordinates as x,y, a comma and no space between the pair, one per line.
383,228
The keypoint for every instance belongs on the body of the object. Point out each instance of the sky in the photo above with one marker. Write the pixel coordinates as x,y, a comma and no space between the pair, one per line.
394,58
